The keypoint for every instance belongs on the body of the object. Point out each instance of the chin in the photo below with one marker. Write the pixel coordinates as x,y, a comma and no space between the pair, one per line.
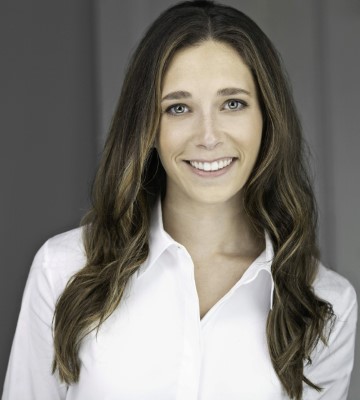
216,197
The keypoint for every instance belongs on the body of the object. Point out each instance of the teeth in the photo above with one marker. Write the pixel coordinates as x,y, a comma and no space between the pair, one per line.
213,166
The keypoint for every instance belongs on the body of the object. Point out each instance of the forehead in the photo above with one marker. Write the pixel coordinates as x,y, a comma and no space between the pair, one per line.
208,64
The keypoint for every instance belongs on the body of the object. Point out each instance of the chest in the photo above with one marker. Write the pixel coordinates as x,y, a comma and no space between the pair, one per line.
153,346
213,281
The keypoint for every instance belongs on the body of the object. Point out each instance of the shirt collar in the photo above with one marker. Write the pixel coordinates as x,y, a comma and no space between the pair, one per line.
160,241
262,263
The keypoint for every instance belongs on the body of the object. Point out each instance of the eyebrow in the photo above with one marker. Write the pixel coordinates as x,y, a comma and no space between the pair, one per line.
181,94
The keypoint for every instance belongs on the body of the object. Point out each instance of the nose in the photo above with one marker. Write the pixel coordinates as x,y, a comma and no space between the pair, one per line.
208,136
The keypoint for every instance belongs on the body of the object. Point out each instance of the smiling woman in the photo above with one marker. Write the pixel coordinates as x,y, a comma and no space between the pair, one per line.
195,274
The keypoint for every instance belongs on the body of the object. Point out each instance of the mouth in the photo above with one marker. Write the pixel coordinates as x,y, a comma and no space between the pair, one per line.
211,166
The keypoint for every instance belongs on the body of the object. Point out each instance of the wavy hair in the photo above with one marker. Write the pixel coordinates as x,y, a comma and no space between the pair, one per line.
278,195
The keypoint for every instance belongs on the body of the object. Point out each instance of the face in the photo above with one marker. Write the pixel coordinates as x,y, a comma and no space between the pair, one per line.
211,124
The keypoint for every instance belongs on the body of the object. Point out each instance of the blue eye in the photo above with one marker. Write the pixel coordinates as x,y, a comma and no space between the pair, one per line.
177,109
235,104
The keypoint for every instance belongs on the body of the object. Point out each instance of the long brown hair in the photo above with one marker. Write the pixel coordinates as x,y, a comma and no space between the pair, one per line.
278,195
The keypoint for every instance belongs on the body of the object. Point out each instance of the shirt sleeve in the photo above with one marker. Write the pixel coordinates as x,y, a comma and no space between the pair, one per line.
332,366
29,370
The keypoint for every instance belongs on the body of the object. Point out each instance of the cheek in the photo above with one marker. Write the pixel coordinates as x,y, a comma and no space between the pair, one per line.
253,134
166,145
247,136
171,138
254,139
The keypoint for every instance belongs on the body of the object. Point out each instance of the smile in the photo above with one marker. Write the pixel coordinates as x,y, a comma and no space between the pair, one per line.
211,166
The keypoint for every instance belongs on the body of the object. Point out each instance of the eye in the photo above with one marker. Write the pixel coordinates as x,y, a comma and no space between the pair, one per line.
177,109
235,104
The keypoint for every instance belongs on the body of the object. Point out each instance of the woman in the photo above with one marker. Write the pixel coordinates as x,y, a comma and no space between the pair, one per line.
195,274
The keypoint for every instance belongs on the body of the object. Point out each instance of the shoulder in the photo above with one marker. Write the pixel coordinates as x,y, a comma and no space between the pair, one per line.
331,363
334,288
57,260
65,249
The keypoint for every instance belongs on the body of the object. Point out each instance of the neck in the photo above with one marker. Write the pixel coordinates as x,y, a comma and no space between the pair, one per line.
209,230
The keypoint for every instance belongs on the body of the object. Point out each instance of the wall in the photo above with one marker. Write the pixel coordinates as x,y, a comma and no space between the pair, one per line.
48,136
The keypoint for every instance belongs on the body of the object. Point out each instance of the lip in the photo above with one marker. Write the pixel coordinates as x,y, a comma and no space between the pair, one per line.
210,161
211,174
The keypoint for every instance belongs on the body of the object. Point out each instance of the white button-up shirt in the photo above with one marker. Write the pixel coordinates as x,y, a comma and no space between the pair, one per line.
156,347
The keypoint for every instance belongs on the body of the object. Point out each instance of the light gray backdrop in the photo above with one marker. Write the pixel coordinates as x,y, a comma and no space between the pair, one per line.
61,70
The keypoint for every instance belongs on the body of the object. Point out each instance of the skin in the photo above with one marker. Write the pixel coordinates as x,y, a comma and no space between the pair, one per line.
204,213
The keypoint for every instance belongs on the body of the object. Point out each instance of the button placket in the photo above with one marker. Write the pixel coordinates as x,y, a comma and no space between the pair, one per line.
190,368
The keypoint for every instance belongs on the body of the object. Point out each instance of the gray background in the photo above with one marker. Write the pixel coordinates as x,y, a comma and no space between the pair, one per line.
61,69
